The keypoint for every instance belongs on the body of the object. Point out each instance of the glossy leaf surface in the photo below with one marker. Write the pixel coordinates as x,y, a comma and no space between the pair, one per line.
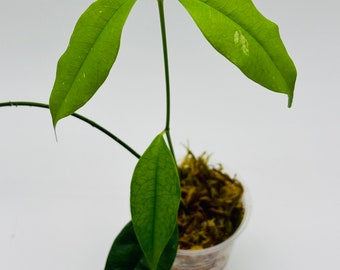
126,253
91,52
154,199
237,30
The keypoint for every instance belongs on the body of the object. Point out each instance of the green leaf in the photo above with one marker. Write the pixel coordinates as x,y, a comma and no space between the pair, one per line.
91,52
237,30
154,199
126,253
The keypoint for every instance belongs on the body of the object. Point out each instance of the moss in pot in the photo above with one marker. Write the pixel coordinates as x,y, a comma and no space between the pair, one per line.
211,208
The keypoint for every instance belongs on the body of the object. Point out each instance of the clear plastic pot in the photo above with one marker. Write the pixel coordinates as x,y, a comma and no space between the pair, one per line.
213,258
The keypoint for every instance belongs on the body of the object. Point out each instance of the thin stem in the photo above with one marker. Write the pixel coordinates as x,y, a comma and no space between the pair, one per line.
80,117
166,72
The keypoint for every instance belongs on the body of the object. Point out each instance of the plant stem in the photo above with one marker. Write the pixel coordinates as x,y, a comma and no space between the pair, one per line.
84,119
166,72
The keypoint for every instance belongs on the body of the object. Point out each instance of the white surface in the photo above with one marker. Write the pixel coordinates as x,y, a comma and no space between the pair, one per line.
62,204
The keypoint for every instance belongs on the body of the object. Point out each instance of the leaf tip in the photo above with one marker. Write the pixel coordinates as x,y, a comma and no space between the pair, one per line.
290,100
55,133
54,119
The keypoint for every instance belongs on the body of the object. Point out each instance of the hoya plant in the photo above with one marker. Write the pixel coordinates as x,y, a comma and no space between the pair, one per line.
234,28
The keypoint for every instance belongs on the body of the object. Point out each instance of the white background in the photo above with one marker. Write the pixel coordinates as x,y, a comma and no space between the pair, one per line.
62,203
